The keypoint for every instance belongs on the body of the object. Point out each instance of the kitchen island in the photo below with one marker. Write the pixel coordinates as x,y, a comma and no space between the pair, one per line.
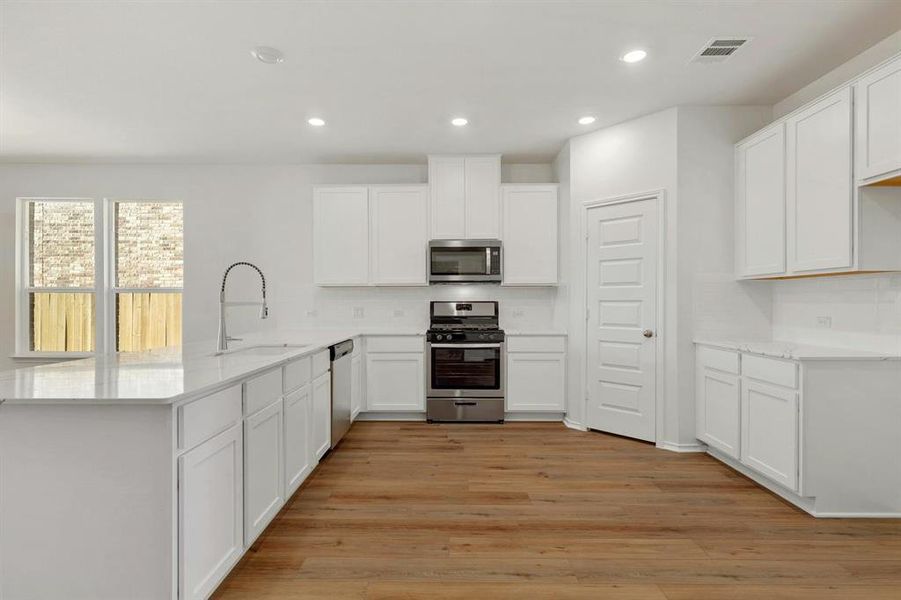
148,475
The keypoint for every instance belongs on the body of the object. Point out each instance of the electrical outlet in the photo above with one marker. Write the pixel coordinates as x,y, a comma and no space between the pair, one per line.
358,312
313,313
518,312
825,322
398,312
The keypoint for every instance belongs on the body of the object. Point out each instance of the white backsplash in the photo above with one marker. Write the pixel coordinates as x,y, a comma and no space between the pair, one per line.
855,311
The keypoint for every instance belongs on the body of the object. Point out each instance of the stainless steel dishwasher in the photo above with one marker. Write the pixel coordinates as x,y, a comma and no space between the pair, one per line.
341,381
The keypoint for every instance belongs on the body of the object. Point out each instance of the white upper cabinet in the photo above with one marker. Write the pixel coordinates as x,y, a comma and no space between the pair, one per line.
447,182
483,180
878,135
529,233
819,191
760,203
398,234
341,235
464,196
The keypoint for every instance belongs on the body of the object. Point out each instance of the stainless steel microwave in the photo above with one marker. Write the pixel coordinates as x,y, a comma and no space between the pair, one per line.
465,261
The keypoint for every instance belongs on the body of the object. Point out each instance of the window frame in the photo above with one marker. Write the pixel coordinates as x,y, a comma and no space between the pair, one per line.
104,290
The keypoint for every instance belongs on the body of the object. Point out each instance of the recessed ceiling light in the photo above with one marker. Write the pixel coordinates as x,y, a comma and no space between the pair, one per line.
586,120
316,122
459,122
633,56
268,55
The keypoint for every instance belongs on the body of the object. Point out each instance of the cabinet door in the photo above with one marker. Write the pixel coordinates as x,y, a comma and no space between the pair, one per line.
264,473
210,526
356,386
820,191
447,191
297,438
341,235
769,431
535,381
395,381
321,434
878,131
399,234
718,410
529,233
760,204
483,180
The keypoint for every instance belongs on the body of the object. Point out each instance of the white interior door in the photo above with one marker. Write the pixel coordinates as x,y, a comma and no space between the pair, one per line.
622,318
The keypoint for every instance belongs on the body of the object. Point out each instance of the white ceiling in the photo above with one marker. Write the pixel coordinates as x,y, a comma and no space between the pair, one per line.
173,81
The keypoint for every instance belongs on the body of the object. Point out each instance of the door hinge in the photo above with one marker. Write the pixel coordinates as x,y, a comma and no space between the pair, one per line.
587,314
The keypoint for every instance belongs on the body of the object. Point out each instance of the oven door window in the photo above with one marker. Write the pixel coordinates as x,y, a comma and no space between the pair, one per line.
466,368
459,261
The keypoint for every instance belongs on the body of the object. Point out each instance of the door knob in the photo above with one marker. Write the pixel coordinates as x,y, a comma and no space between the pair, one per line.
647,333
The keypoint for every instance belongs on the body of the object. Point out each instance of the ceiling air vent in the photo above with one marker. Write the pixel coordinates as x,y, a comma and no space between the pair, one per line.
719,49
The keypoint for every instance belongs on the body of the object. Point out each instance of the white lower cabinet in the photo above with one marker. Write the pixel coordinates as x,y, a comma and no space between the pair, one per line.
719,410
718,401
298,411
264,475
395,381
210,523
321,434
769,432
536,374
747,407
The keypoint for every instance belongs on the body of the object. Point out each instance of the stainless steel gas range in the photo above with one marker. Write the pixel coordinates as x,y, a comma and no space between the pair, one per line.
465,372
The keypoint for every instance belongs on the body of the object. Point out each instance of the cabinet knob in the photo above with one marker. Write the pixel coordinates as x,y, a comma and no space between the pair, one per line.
647,333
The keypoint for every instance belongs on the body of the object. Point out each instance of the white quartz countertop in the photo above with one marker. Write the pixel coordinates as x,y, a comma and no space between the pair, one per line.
159,377
795,351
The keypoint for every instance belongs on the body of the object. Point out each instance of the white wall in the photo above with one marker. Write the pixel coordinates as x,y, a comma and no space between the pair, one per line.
632,157
687,153
261,214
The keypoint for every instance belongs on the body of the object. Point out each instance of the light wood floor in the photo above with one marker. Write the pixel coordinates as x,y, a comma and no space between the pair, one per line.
535,511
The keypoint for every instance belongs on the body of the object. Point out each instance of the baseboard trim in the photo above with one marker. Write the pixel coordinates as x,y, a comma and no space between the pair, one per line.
390,416
555,417
573,424
674,447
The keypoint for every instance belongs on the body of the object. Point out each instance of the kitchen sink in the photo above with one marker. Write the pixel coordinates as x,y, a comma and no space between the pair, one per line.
263,349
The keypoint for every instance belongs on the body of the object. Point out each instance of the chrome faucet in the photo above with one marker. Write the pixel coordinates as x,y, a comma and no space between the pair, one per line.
224,338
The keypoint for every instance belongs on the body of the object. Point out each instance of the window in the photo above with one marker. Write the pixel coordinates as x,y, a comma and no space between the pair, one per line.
148,274
61,275
86,288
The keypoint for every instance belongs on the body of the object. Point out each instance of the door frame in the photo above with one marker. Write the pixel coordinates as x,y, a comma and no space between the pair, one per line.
659,197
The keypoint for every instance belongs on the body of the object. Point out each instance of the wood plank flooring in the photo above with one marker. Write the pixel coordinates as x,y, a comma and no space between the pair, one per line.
539,511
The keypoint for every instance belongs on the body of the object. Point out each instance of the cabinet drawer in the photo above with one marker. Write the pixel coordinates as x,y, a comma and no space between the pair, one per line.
202,419
395,343
262,391
767,369
536,343
721,360
321,362
297,373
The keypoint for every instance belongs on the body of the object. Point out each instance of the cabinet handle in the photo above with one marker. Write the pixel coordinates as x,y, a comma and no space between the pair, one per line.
647,333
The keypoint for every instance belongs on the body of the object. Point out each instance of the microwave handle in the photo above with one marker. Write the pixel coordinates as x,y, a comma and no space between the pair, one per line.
487,260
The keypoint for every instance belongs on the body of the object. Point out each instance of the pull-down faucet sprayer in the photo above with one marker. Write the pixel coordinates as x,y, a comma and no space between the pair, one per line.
224,338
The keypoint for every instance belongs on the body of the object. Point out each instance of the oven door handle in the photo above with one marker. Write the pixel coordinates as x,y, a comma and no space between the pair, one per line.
494,345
